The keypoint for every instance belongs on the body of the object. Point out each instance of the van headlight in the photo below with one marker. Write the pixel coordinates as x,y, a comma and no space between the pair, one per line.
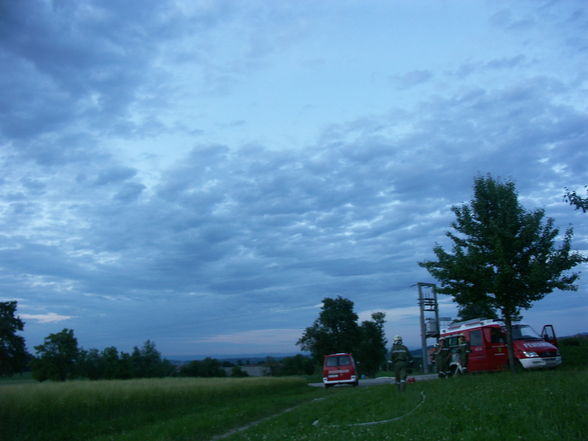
530,354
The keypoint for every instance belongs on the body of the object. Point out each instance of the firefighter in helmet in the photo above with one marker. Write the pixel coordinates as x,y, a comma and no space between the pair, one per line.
401,360
442,359
463,350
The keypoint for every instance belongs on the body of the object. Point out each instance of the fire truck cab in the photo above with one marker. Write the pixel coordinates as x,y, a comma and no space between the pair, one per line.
487,346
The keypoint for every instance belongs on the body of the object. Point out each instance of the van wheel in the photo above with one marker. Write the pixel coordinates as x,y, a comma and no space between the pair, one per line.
356,383
327,385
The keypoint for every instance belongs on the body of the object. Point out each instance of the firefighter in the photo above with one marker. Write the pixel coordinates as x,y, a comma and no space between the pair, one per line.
463,350
433,356
401,359
442,359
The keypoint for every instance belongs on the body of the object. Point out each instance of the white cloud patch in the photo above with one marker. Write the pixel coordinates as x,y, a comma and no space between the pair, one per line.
50,317
272,337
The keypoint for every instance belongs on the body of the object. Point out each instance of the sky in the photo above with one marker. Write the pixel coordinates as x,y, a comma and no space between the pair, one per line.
203,173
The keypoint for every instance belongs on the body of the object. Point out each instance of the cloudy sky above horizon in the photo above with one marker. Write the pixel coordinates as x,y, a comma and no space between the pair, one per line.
204,173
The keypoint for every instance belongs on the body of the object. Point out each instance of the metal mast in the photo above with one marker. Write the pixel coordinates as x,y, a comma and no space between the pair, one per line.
429,317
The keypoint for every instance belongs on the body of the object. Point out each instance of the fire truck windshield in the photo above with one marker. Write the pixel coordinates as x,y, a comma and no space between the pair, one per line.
524,332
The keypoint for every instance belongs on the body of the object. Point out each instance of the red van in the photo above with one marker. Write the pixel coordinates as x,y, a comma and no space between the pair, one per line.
488,352
339,369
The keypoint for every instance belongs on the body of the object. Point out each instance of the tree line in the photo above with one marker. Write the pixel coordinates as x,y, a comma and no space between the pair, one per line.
210,367
60,358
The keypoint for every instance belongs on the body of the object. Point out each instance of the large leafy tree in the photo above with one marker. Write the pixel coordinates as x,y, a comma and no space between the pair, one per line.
575,200
13,353
335,330
502,255
471,311
372,346
57,357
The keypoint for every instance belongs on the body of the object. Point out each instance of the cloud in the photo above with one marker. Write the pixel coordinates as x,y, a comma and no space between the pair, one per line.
412,79
515,62
258,336
50,317
506,19
108,196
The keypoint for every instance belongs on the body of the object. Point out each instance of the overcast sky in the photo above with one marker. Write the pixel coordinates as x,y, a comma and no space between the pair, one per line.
204,173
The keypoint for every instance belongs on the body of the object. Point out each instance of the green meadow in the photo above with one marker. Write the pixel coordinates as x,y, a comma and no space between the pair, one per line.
534,406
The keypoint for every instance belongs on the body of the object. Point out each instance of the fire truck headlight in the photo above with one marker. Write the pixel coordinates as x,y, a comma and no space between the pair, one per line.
530,354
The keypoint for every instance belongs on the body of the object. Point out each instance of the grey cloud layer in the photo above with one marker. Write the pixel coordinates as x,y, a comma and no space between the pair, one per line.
338,210
232,229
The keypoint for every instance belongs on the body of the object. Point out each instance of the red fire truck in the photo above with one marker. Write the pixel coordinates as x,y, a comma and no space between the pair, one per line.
339,369
487,345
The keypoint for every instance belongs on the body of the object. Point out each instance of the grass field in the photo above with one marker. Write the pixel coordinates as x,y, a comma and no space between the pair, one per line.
535,406
176,408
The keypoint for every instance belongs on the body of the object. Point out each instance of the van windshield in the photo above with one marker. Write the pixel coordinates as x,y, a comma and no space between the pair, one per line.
524,332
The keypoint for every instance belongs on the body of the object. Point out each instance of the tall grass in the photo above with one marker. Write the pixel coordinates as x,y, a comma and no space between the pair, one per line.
535,406
107,409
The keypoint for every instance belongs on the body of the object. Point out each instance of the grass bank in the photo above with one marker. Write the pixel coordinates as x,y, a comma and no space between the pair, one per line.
158,409
534,406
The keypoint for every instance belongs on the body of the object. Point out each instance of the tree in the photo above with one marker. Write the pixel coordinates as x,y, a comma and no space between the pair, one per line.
147,362
237,371
13,352
476,310
56,357
372,347
296,365
503,256
579,202
90,364
335,330
209,367
111,363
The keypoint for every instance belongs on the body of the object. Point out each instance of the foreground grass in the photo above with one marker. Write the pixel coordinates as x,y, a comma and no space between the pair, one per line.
169,409
535,406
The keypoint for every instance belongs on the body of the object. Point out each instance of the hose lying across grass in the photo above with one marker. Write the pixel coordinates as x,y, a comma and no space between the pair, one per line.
316,422
255,423
373,423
